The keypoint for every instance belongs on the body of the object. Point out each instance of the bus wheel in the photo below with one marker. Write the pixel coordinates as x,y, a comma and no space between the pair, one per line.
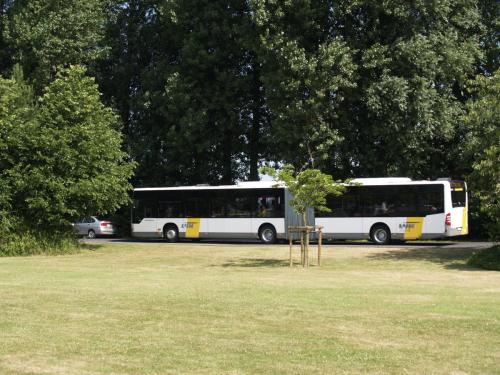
171,233
267,234
380,234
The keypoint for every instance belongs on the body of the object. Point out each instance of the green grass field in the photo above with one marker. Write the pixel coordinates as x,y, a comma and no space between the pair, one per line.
238,309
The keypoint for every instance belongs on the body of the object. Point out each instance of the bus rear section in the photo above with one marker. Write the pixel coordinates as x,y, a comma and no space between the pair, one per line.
456,220
385,209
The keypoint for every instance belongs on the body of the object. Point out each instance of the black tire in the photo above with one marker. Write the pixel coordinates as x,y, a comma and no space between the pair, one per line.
171,233
91,234
380,234
267,234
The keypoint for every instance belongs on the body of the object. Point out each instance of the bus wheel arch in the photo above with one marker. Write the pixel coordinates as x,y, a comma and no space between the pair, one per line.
267,233
171,232
380,234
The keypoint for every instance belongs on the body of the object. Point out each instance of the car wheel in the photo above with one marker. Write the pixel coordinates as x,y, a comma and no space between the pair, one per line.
91,234
380,234
171,233
267,234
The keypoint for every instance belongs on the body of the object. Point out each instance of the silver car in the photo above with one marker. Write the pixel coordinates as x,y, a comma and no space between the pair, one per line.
93,227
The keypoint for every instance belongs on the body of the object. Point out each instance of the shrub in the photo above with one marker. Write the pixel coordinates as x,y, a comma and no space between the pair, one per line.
488,259
25,243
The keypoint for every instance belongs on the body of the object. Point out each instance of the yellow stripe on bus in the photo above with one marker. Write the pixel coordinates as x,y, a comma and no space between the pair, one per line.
193,228
465,229
413,228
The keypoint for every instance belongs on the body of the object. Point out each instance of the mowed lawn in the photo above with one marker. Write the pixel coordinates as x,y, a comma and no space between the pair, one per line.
239,309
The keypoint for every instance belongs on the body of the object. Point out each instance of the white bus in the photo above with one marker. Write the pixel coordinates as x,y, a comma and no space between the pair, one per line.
379,209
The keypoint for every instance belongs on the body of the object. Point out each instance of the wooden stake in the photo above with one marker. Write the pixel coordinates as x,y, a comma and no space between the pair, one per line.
307,248
320,240
302,250
290,235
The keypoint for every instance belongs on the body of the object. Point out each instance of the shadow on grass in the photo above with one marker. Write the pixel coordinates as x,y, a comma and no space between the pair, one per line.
253,262
454,258
90,247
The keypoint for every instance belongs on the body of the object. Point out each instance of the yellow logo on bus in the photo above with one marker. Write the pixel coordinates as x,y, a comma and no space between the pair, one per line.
193,228
413,228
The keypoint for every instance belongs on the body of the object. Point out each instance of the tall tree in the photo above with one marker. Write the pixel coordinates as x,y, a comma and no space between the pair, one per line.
45,34
4,48
62,158
132,38
17,124
187,80
490,36
206,89
482,150
412,59
306,68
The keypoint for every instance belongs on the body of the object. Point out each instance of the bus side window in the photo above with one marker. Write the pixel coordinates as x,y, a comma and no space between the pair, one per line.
239,205
375,201
169,209
262,208
431,199
218,207
350,205
148,211
269,206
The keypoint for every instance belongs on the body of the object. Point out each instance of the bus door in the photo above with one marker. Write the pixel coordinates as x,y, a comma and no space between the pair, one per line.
144,222
196,224
230,214
345,220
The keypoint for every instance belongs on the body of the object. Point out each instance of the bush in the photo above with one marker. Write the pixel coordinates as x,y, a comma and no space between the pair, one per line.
27,243
488,259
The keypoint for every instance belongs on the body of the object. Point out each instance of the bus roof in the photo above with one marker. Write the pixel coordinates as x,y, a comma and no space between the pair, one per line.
239,185
274,184
394,181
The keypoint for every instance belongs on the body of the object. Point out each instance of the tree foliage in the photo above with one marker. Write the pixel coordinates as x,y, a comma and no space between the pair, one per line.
412,61
309,188
208,91
61,156
17,124
45,34
490,36
483,149
305,72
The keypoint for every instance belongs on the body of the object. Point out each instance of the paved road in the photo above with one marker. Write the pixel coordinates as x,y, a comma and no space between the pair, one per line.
409,244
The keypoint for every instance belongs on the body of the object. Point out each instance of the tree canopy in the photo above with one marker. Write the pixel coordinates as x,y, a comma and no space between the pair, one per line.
208,91
309,188
483,148
60,154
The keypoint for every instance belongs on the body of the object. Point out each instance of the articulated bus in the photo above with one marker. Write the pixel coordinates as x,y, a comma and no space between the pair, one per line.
379,209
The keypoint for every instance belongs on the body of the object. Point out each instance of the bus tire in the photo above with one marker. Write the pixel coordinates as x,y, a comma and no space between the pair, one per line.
171,233
380,234
267,234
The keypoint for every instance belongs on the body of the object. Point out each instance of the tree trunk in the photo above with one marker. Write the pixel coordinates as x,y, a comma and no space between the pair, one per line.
305,236
254,136
227,173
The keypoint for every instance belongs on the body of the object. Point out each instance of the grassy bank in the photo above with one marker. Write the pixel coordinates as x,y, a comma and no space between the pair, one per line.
212,309
488,259
26,243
